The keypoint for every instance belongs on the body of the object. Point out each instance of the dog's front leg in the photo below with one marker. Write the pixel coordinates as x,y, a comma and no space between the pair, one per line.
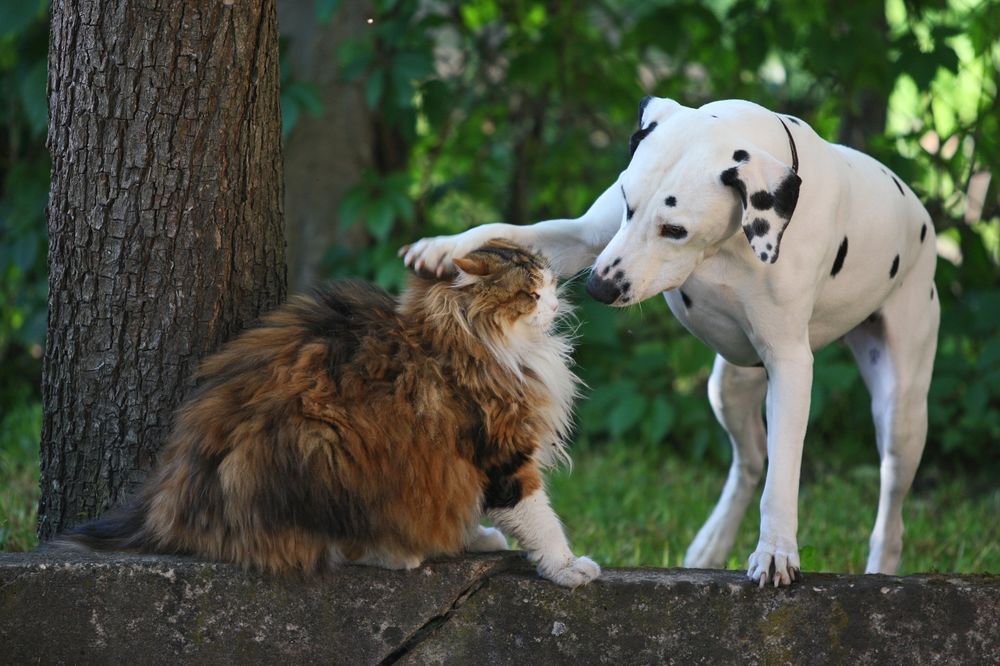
569,244
788,392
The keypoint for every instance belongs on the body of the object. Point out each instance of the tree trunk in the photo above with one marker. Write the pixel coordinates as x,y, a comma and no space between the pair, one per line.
164,220
324,156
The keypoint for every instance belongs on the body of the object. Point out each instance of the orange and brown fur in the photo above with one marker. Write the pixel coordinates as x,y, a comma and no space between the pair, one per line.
349,427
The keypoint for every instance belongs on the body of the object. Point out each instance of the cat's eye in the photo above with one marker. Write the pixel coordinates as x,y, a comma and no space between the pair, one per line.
535,295
673,231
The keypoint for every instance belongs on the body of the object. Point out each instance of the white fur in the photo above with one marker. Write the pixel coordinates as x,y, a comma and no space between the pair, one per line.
753,311
479,539
532,344
538,530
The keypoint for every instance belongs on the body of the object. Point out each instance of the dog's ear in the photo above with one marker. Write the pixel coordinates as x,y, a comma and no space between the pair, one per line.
652,111
768,190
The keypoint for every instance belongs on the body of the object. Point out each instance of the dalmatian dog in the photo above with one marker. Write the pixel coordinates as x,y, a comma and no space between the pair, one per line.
767,243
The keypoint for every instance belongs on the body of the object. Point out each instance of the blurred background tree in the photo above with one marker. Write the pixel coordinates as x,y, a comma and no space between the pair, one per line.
405,118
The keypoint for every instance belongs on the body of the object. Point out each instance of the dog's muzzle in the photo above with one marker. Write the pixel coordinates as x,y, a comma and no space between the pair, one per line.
604,291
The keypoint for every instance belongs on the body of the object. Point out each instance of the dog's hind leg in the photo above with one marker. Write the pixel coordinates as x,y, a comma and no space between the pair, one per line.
894,349
736,394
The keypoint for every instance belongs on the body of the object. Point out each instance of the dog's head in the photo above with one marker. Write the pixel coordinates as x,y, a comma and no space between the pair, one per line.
691,184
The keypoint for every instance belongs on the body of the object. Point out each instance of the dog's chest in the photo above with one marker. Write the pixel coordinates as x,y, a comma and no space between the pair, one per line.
715,317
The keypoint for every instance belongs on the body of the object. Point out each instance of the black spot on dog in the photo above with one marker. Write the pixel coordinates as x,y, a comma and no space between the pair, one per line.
898,186
768,247
670,201
786,196
763,256
793,119
713,115
838,262
760,226
731,178
923,232
626,286
932,293
762,200
637,138
741,156
629,212
777,246
686,299
606,269
748,230
673,231
619,275
895,267
616,262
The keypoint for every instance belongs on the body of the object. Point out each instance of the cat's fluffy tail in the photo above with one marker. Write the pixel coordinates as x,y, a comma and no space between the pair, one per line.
123,528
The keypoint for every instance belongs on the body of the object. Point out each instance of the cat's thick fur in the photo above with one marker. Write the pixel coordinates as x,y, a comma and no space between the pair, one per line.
347,427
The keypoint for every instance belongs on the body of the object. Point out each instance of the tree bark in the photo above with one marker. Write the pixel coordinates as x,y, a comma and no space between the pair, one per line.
164,221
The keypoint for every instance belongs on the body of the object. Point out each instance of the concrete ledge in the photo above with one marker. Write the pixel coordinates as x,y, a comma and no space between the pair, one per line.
72,609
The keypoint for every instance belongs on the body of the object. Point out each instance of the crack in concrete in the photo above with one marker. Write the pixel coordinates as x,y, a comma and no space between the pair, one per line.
428,628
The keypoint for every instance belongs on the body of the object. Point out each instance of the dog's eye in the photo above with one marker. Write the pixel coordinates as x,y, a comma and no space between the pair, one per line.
673,231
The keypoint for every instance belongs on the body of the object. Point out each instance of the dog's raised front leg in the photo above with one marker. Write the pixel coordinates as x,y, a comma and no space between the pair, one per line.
788,394
570,245
736,394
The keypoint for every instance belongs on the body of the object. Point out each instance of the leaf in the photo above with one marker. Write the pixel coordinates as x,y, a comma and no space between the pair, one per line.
379,218
626,414
350,207
373,89
33,97
289,117
659,420
325,9
16,15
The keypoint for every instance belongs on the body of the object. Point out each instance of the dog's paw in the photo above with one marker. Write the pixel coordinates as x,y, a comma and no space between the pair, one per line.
431,257
771,564
487,540
575,572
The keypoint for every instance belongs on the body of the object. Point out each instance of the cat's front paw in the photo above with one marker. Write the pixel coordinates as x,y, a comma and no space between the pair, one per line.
575,572
486,540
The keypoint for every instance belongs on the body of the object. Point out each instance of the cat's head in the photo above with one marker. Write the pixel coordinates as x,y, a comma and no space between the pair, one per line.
508,285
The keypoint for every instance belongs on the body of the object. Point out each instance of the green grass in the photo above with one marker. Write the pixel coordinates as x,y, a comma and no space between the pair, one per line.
633,507
19,491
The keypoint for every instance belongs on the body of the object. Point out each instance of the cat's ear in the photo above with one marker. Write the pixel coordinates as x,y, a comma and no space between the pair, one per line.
473,264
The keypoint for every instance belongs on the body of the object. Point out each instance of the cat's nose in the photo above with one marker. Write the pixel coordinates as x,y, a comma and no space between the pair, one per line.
604,291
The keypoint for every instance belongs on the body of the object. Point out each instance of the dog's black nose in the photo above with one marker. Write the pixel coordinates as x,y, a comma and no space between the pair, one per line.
605,291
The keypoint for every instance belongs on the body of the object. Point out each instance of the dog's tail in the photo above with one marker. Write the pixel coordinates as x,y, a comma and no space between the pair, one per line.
123,528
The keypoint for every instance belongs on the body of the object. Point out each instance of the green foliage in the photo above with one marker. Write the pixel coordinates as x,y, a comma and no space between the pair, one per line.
521,111
24,185
19,491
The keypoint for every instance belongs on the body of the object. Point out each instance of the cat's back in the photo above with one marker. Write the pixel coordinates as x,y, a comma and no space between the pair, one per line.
313,334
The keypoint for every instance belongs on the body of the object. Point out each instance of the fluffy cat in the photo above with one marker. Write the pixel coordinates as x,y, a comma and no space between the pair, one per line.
350,428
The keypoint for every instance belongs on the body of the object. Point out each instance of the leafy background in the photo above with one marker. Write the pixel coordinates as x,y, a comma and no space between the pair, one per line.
520,111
